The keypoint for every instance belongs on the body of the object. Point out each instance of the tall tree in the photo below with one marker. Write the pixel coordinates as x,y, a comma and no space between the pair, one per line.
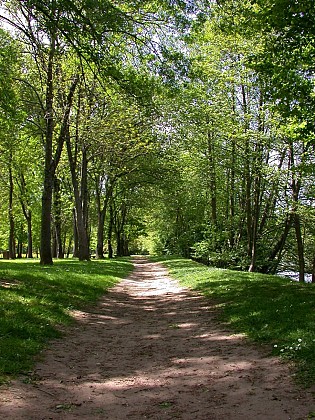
10,117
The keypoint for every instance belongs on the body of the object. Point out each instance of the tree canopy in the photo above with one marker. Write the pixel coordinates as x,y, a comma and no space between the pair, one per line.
159,126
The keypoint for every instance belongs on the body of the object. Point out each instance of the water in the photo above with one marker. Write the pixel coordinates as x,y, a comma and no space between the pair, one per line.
294,275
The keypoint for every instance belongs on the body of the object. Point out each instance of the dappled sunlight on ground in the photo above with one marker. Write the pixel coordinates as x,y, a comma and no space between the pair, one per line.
154,350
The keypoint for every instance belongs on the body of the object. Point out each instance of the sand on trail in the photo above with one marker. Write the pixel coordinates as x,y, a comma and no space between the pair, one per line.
151,349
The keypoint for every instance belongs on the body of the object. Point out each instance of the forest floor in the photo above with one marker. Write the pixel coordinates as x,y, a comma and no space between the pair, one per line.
151,349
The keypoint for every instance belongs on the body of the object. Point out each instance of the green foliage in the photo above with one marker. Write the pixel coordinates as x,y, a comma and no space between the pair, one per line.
268,309
192,121
35,300
9,69
234,258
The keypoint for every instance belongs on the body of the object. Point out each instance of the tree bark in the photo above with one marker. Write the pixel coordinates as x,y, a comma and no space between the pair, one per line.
247,176
19,248
27,214
255,216
296,186
231,213
51,162
29,236
11,216
119,224
212,177
75,253
83,245
257,167
57,219
110,231
300,247
45,242
101,214
100,233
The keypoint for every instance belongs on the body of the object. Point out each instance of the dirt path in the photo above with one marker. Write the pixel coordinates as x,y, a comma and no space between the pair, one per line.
154,350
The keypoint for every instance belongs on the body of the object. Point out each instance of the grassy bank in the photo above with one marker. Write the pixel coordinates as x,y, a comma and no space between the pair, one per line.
268,309
35,300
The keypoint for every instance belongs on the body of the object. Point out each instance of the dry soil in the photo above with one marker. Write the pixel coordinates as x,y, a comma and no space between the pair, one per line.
151,349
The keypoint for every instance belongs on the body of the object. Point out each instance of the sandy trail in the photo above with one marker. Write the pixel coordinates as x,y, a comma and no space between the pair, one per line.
154,350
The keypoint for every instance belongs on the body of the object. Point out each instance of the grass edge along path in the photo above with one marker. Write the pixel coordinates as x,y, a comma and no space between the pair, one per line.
269,310
36,300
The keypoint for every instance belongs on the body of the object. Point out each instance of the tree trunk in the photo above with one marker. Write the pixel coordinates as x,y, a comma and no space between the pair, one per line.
212,177
110,231
275,254
119,229
19,248
11,216
255,220
45,242
75,235
27,214
247,174
100,233
51,162
54,243
300,247
257,169
57,219
101,214
29,236
231,214
83,245
296,186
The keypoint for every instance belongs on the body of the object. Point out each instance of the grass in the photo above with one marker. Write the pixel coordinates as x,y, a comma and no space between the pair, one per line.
269,310
36,300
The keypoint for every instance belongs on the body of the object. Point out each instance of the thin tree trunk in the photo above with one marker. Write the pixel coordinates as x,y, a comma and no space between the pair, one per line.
300,247
257,169
101,215
119,230
11,216
100,233
232,192
212,178
29,236
27,214
19,249
57,212
110,231
84,191
45,243
255,220
83,247
296,186
54,242
75,235
248,185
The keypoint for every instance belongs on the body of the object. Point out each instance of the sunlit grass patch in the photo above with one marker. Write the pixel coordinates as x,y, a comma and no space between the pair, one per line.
35,300
268,309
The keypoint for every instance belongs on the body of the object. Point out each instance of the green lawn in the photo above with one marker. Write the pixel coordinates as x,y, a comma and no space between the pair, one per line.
271,310
36,299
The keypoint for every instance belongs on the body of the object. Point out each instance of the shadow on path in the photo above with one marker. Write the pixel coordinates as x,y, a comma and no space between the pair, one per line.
154,350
